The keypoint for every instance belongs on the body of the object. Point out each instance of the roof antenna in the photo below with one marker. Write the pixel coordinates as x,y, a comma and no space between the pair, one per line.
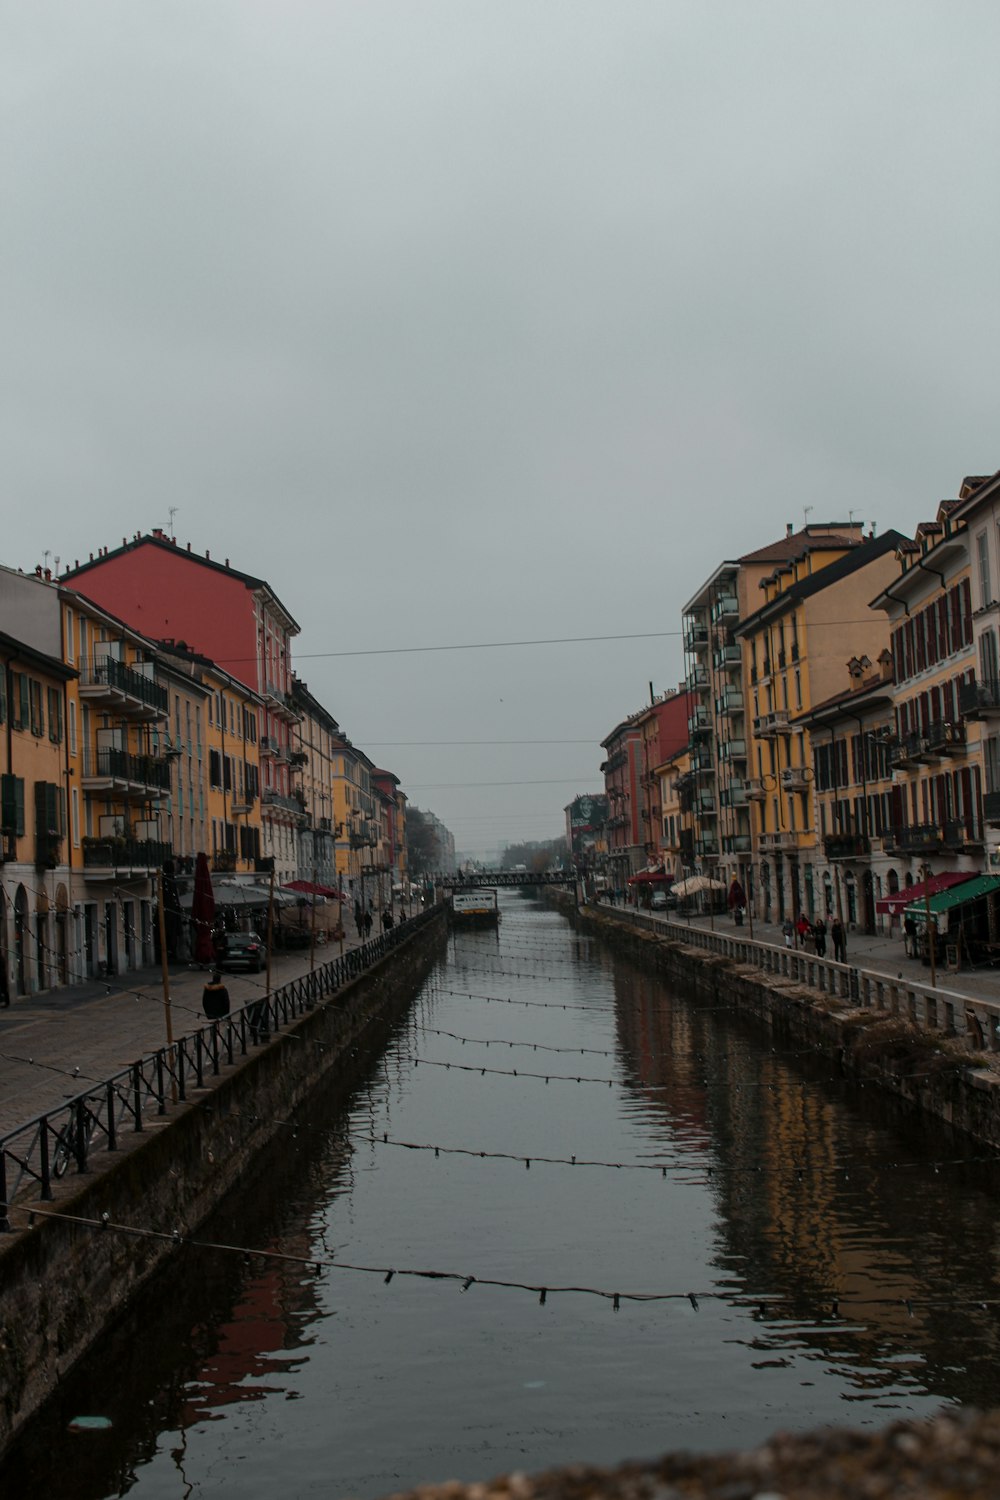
171,512
806,513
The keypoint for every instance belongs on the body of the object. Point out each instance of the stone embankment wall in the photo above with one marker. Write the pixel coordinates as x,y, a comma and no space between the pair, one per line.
62,1284
931,1072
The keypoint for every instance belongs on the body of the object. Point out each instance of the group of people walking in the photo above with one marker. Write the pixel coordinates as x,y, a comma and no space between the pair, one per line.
813,935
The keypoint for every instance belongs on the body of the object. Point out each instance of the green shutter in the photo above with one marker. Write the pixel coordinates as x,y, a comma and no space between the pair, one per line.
12,804
23,700
3,693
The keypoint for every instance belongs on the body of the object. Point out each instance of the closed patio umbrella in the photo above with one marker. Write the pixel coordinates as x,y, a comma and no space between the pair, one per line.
203,912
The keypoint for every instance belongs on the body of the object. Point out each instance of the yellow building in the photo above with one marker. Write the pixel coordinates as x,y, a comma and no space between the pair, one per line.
316,742
358,826
718,680
36,932
677,789
213,738
815,616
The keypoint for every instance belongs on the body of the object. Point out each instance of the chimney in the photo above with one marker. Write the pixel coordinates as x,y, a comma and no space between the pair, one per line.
208,555
189,546
885,664
857,666
788,528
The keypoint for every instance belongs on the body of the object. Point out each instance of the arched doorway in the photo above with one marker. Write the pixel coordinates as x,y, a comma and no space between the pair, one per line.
43,948
21,962
62,935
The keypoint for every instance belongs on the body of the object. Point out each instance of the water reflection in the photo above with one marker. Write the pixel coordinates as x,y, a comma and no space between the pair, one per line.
801,1204
827,1211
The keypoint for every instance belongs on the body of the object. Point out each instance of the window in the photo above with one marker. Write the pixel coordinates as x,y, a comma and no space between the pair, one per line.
215,769
69,635
12,804
54,697
983,559
72,727
37,715
76,817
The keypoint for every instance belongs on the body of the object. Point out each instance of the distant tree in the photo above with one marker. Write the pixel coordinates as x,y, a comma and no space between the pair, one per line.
423,852
535,854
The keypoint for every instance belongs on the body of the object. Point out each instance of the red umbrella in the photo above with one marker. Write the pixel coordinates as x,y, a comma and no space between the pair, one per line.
203,912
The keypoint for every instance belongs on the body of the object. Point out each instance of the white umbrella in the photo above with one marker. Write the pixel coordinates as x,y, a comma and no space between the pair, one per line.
695,884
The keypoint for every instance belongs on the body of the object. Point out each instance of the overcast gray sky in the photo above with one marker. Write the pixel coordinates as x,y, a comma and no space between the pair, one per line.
472,321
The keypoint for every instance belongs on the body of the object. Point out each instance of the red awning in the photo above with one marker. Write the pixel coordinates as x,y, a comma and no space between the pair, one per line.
892,906
309,888
650,877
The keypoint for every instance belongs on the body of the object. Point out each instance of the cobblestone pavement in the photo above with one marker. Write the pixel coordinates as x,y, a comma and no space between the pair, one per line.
93,1030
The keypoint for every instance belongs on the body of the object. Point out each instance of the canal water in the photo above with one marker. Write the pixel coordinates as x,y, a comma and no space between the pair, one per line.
547,1116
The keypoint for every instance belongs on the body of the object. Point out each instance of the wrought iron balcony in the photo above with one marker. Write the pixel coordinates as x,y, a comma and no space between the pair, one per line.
120,771
979,700
946,737
846,845
113,856
959,832
110,681
914,838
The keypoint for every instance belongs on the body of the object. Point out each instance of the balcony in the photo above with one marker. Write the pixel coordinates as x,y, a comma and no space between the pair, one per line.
775,843
695,637
126,775
733,796
846,845
110,683
728,659
979,700
703,763
112,858
765,726
796,779
700,722
697,680
915,838
48,849
280,703
736,843
906,752
725,609
991,808
271,798
729,701
946,737
733,749
959,833
224,862
706,845
756,791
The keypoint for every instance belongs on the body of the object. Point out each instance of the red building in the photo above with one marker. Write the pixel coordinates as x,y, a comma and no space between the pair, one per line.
635,748
170,592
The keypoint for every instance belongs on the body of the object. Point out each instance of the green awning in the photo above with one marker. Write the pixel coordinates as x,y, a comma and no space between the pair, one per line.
955,895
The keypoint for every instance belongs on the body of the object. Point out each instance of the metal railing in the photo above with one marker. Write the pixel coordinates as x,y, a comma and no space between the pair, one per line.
67,1137
965,1017
116,676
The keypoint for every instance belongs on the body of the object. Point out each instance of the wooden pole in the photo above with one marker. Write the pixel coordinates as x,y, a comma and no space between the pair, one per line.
165,966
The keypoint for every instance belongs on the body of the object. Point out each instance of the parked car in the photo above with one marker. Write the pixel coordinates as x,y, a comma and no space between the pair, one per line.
658,901
244,949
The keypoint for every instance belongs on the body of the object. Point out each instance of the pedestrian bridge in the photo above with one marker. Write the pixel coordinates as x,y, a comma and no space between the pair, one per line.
512,877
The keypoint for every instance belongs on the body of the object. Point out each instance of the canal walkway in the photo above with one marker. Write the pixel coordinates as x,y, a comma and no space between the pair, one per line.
54,1043
877,953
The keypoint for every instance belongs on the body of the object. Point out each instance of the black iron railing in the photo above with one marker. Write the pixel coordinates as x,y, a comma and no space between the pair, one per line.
67,1137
